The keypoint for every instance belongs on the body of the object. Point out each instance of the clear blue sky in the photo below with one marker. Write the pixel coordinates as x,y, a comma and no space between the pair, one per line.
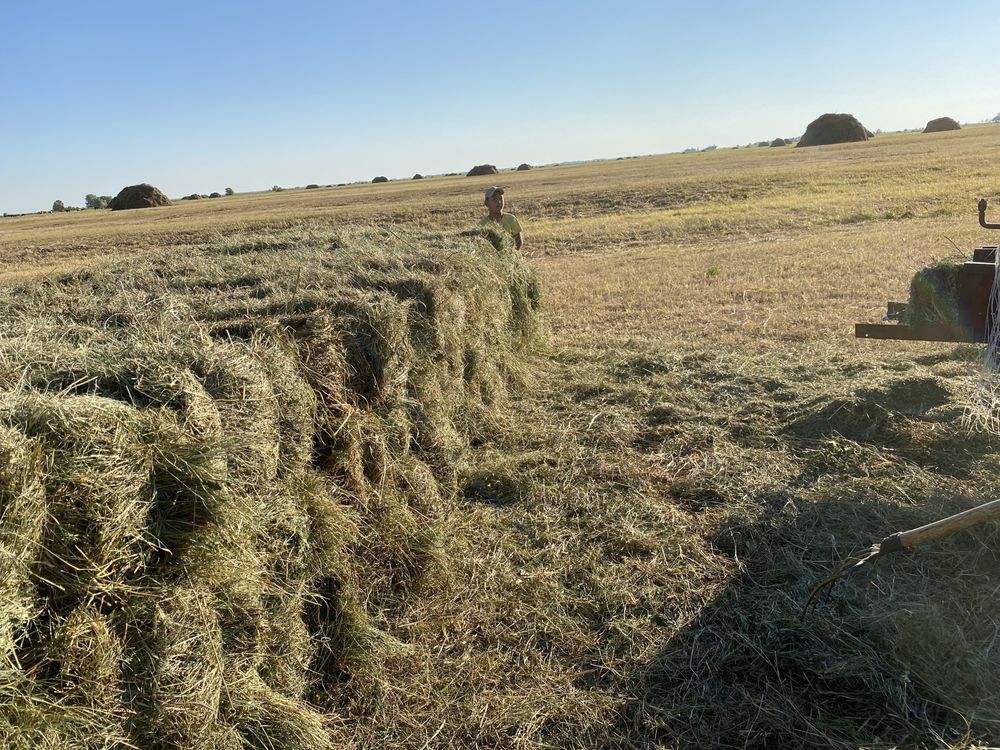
200,96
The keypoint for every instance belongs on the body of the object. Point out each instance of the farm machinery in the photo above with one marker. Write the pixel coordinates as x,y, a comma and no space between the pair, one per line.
971,313
973,316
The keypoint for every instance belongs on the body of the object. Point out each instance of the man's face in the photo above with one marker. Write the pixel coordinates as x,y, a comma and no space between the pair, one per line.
495,202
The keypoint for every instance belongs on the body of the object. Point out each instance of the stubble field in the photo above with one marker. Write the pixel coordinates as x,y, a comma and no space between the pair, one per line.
696,442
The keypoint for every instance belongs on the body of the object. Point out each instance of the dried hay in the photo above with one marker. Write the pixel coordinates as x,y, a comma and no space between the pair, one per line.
223,480
482,169
942,124
833,128
934,298
138,196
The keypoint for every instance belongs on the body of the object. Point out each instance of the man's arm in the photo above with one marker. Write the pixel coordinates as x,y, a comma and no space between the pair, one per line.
518,242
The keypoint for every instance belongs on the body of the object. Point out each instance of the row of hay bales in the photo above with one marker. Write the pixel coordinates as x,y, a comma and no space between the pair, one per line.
223,473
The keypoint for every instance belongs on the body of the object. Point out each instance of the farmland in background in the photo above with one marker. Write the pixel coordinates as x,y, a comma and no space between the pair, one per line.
702,439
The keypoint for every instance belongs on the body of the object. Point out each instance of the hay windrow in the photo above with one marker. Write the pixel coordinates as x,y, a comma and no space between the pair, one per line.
223,471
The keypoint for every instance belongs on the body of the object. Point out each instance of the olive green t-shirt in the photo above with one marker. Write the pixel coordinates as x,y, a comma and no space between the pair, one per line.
507,221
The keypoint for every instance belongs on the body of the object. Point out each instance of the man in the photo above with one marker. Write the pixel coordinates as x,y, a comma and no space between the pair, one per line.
494,204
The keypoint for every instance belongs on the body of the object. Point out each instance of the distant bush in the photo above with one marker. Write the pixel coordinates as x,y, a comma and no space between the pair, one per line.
229,191
58,206
276,189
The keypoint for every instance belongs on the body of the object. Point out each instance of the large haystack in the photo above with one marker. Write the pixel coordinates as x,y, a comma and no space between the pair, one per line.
138,196
833,128
942,124
482,169
223,475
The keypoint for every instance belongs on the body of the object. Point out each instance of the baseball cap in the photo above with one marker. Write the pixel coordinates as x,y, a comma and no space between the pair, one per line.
491,190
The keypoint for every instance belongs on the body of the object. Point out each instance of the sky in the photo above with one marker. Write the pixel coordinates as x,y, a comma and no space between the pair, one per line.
201,96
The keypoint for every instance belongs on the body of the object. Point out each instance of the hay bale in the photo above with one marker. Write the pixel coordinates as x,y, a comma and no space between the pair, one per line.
523,167
942,124
482,169
833,128
138,196
418,176
380,178
777,142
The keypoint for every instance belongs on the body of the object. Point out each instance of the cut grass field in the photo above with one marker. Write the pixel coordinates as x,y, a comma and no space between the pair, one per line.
625,550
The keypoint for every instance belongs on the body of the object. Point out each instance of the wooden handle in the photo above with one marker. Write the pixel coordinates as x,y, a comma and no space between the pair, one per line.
947,526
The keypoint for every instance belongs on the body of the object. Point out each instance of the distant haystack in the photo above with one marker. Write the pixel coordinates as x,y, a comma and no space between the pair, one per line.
523,167
418,176
482,169
380,179
778,142
833,128
941,124
138,196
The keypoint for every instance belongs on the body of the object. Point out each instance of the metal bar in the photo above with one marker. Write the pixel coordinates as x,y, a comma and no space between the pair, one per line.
982,216
894,310
952,334
985,254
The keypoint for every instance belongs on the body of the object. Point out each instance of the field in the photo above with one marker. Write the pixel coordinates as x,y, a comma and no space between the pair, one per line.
631,507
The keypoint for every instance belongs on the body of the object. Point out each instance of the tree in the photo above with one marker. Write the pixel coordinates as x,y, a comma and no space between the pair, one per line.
96,201
229,191
58,206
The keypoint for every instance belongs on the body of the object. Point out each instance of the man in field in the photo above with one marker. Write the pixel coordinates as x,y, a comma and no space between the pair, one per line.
494,204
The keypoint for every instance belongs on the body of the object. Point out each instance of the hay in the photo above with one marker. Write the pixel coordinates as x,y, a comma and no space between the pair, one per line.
934,298
942,124
138,196
523,167
223,479
833,128
482,169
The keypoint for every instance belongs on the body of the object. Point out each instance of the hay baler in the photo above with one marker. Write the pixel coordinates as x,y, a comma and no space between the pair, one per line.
973,288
